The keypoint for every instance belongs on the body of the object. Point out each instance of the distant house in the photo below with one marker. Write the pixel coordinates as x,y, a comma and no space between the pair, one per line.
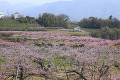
17,16
1,14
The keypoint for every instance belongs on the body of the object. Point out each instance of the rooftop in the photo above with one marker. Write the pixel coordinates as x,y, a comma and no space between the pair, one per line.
17,13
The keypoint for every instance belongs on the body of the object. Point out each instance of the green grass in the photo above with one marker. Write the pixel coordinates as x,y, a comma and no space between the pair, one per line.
45,63
13,25
39,40
48,41
104,58
73,33
7,24
72,24
2,61
62,61
89,30
58,61
15,39
24,39
4,35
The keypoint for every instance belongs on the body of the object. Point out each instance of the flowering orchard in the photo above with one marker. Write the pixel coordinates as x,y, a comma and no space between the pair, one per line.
58,56
19,37
88,63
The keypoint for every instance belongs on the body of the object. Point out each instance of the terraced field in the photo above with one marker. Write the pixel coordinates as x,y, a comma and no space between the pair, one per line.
57,55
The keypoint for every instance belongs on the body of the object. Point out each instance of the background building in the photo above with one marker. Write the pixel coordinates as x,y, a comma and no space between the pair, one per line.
1,14
17,16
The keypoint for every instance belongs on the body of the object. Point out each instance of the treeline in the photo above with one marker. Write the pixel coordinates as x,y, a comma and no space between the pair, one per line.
47,20
104,28
97,23
107,33
51,20
27,19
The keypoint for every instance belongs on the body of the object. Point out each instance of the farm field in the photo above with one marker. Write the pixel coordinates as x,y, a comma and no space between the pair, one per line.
57,55
59,40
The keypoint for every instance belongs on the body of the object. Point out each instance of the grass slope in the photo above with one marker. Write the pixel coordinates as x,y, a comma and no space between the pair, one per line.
12,25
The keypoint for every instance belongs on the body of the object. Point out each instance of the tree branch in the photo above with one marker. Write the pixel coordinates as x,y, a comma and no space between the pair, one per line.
81,75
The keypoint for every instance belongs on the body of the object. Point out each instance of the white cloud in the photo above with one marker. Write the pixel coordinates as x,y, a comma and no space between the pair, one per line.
37,2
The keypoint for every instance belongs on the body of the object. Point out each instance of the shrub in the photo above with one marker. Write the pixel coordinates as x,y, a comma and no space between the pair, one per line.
16,39
107,33
43,45
77,46
49,44
61,45
5,35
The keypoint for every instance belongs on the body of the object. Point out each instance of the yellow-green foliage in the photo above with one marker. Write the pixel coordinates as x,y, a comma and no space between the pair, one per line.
2,60
72,24
72,33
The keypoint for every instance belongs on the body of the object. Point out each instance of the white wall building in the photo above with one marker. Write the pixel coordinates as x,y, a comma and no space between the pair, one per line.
1,14
17,15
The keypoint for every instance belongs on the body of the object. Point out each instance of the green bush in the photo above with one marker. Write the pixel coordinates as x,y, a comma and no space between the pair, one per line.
43,44
77,46
16,39
61,45
6,35
107,33
97,23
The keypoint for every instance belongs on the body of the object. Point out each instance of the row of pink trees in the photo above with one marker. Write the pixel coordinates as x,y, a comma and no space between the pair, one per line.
55,39
88,63
23,62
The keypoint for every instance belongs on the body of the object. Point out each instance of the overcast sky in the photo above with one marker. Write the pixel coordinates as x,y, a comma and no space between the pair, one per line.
37,2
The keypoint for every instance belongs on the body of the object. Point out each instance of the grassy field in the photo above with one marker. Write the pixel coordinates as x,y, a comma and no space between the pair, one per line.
12,25
74,33
89,30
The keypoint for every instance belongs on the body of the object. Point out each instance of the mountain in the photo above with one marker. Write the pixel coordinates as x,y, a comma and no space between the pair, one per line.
8,8
78,9
75,9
